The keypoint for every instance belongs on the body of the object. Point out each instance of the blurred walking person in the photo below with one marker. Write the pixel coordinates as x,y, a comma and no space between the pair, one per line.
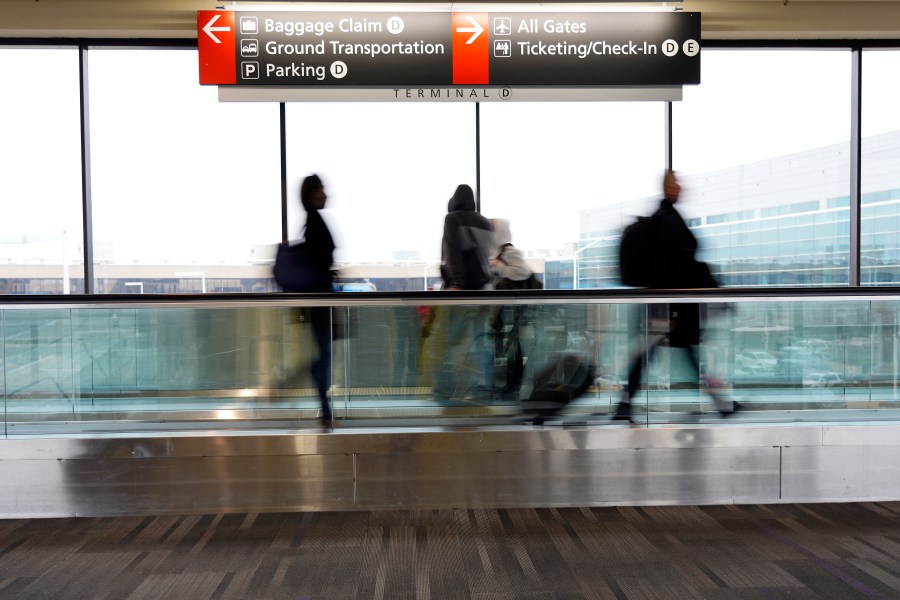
675,266
459,345
511,272
320,247
466,244
510,269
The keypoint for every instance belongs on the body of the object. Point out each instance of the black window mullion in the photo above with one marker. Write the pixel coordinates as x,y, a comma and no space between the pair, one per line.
86,197
669,136
284,184
854,260
478,157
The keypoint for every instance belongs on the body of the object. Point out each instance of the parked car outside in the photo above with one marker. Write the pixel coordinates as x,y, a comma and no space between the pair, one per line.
828,379
756,359
610,382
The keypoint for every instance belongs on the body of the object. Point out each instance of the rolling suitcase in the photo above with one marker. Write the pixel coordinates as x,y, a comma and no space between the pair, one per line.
556,386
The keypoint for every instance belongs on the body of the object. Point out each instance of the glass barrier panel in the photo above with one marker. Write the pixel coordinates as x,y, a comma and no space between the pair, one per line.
38,365
138,367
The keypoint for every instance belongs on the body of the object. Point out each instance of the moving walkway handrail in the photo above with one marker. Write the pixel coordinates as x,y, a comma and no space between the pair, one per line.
588,296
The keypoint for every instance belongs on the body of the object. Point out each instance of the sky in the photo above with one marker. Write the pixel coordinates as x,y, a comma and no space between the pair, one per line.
179,176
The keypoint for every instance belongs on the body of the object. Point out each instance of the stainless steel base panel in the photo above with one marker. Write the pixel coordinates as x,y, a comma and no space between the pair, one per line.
473,468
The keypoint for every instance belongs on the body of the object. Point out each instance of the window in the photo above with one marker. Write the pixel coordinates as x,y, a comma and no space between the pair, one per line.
801,207
180,181
183,184
388,169
764,129
557,169
728,218
880,172
40,191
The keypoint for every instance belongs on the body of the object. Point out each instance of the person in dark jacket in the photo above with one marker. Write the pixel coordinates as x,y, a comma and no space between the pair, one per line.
321,248
461,360
316,234
466,247
676,267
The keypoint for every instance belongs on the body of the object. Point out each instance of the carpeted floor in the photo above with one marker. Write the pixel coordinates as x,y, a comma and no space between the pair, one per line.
834,551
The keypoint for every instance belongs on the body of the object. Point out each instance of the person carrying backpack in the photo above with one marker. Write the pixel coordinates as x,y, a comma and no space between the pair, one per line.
511,272
460,359
466,244
508,264
320,243
672,264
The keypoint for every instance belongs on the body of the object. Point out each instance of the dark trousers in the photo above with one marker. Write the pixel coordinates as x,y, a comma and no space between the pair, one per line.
320,369
640,362
684,333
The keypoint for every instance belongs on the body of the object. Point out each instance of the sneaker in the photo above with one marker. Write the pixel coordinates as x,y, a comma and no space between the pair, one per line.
735,407
623,412
326,419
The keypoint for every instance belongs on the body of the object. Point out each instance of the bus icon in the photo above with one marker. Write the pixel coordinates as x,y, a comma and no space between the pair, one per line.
249,48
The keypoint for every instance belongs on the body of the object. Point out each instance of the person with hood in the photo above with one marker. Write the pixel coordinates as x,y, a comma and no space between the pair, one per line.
321,253
511,272
459,351
466,245
508,264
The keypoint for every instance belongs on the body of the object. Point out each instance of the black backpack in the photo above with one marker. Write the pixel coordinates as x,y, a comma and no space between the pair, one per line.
475,277
531,283
637,253
296,271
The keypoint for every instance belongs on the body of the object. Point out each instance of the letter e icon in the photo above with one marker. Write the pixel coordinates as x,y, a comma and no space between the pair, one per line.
691,48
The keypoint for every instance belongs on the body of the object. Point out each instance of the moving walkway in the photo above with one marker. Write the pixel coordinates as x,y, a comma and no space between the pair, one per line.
123,405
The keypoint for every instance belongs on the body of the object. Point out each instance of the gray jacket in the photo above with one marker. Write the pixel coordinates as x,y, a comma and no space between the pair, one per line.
466,246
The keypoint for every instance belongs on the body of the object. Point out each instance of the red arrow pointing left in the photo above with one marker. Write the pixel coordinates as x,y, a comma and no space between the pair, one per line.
215,45
209,29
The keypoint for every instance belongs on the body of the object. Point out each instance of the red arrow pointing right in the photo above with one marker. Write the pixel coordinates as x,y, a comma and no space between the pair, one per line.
470,49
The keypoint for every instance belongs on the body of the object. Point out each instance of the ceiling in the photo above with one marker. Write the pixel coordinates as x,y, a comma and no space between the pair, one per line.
723,20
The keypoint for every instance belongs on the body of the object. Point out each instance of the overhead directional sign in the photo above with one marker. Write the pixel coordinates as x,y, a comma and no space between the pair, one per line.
357,49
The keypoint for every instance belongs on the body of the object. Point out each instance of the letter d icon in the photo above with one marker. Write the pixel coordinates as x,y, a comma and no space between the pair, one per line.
338,69
670,47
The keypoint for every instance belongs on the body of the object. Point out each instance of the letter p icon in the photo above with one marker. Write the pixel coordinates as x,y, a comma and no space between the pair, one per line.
250,70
